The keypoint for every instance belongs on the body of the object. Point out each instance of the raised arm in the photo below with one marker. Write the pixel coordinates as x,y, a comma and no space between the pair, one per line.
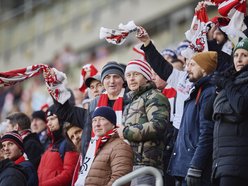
162,67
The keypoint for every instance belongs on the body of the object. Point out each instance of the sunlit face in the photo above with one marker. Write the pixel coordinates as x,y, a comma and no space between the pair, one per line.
135,80
96,88
219,36
113,84
101,126
195,72
53,123
37,125
240,58
75,134
11,150
160,83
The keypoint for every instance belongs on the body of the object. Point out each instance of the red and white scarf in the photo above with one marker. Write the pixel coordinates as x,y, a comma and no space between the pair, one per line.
95,144
236,11
117,107
55,83
21,159
117,36
197,34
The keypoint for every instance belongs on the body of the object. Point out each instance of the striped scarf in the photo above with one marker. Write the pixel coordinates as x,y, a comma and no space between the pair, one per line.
117,107
117,36
55,83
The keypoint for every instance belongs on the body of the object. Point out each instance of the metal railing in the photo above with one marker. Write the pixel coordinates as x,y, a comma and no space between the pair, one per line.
144,170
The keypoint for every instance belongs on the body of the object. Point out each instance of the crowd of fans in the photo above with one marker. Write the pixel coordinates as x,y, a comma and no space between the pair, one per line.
187,117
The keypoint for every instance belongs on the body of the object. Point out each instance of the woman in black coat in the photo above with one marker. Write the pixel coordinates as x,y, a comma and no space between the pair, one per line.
230,113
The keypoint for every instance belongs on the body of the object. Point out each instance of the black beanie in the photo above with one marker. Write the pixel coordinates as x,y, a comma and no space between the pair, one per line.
39,114
106,112
52,111
14,137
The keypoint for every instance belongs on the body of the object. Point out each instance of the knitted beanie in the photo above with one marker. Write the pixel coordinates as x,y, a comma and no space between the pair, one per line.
39,114
182,46
169,52
139,66
206,60
14,137
112,68
242,44
106,112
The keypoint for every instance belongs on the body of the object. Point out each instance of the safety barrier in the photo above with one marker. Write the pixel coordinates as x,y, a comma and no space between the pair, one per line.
144,170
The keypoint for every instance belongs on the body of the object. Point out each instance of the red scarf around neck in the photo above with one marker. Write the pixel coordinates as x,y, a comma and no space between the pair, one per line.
117,107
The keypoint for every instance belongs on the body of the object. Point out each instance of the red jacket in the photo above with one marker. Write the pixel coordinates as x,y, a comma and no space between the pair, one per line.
53,170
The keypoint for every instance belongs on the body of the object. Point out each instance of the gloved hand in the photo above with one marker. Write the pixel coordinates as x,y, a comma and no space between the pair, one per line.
193,177
219,80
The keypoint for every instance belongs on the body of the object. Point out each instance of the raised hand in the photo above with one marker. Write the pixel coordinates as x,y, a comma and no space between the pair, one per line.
143,36
49,75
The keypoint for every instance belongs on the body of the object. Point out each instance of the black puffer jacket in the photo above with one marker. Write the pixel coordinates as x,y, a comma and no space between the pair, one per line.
33,149
230,153
11,174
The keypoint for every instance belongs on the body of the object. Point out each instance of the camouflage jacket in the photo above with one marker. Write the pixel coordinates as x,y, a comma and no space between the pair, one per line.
146,118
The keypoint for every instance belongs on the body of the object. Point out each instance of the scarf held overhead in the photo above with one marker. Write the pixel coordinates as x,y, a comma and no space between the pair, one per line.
55,83
117,36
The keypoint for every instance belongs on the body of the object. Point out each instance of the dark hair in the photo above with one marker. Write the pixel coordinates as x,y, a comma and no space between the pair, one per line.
19,118
67,126
177,61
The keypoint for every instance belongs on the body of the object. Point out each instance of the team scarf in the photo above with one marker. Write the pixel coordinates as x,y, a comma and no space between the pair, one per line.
118,36
197,34
55,83
94,146
236,11
24,133
117,107
21,159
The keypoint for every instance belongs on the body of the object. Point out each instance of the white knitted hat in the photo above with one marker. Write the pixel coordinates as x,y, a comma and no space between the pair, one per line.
140,66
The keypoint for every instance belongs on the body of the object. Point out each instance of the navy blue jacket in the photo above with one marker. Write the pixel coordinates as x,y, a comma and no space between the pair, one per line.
31,172
11,174
193,147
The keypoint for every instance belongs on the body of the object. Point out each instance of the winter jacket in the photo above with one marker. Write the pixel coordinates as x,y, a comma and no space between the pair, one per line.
11,174
193,147
145,119
77,116
230,153
33,149
31,172
112,161
57,165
